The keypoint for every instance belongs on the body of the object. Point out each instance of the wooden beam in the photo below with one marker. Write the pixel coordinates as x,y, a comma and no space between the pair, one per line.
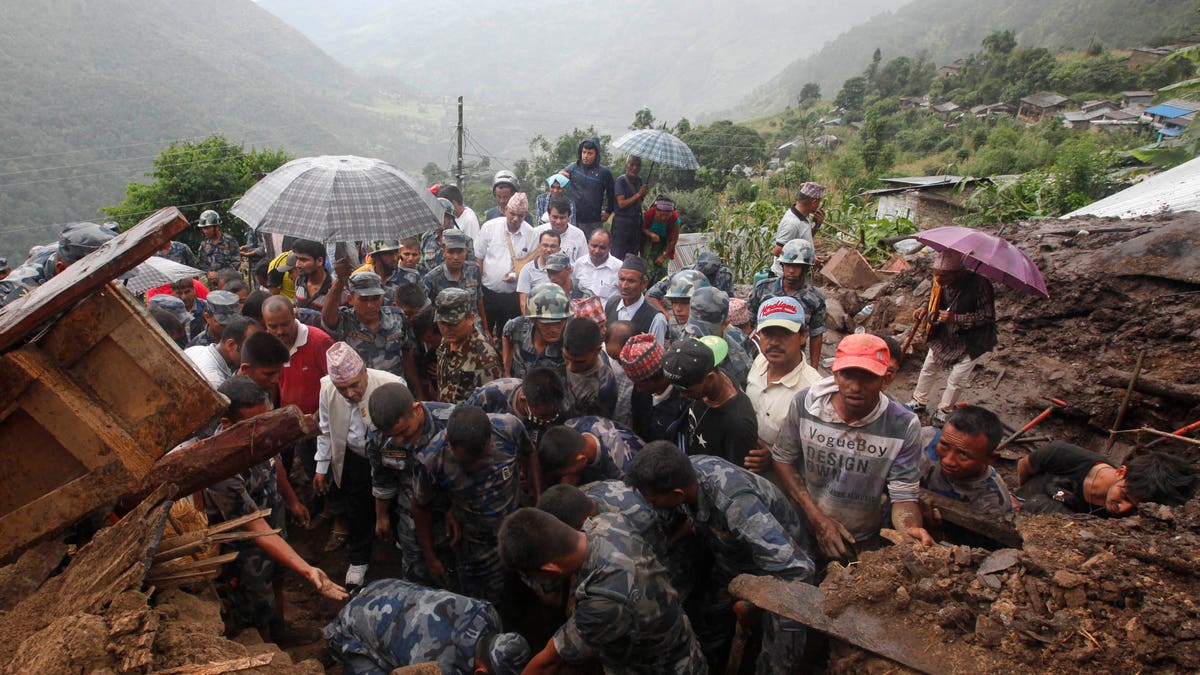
1184,393
241,446
986,525
890,638
89,274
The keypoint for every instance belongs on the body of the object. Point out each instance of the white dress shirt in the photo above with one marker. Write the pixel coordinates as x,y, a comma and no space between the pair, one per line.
599,279
492,248
658,325
572,242
468,222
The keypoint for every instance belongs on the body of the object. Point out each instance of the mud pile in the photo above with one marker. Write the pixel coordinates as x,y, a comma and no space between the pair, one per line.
1085,593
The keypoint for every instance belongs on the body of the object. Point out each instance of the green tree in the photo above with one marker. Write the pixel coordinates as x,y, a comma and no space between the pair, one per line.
434,174
682,126
721,145
852,97
642,119
810,93
1000,42
550,157
210,174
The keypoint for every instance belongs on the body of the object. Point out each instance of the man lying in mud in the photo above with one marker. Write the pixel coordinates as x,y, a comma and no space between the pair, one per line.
1064,478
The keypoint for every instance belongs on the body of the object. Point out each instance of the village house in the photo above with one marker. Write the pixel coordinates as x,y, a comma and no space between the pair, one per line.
928,201
946,110
1172,117
1036,106
951,69
993,110
1139,97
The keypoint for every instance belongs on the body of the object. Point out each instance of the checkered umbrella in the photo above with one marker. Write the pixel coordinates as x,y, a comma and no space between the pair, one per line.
655,145
158,271
339,199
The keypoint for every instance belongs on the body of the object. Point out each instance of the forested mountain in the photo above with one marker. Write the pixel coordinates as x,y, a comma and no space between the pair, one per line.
943,30
91,91
678,57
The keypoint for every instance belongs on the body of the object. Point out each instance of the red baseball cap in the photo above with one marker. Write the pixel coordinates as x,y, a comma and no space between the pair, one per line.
862,350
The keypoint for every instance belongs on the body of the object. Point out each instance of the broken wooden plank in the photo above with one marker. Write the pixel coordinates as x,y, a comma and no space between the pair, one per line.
1153,386
27,574
804,603
219,667
89,274
241,446
429,668
962,515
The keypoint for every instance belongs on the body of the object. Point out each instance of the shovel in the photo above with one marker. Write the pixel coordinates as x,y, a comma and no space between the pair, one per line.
1058,404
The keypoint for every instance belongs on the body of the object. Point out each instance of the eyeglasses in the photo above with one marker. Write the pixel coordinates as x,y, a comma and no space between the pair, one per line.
544,420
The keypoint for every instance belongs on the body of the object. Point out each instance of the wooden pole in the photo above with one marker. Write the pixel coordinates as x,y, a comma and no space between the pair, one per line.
228,453
1137,370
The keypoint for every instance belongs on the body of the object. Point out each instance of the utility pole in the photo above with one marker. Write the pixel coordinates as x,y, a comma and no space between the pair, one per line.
460,177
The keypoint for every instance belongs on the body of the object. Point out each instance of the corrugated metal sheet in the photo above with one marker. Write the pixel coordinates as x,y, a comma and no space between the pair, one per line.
1177,189
1167,111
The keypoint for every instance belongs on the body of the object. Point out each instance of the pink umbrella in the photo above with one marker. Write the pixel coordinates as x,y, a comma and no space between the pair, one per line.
988,255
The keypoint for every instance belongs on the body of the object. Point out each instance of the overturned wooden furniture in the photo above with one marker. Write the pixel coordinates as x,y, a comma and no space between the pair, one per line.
92,392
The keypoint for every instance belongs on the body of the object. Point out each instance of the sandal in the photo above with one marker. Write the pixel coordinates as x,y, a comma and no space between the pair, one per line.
337,539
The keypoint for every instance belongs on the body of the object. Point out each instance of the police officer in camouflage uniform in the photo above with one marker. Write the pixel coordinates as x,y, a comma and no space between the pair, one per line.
591,386
393,623
217,251
379,334
474,465
586,449
627,616
660,529
402,428
465,360
538,400
385,261
178,252
708,264
257,595
220,308
679,295
457,270
749,526
796,260
76,241
432,242
535,340
709,315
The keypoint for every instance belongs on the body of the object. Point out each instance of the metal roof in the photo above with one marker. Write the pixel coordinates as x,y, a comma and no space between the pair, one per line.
1168,111
1045,99
1177,189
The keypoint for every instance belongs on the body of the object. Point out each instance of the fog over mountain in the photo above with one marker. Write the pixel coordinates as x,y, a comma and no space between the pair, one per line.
581,61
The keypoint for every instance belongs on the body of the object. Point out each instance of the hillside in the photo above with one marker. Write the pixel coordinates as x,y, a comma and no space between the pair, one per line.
949,29
679,57
93,91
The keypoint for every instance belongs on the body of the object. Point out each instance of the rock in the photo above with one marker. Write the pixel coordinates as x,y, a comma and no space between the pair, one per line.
992,581
999,561
922,288
1075,597
962,555
835,316
988,630
849,269
1057,375
955,616
1066,580
902,598
873,292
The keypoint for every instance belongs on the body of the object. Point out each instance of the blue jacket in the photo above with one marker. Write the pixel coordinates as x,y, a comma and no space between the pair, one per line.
592,187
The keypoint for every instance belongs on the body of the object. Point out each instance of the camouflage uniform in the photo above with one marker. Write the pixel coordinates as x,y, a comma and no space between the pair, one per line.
431,249
218,255
393,623
809,296
618,444
460,373
437,280
253,598
751,528
723,279
626,614
655,526
180,253
480,497
393,472
499,397
594,392
382,348
526,356
399,277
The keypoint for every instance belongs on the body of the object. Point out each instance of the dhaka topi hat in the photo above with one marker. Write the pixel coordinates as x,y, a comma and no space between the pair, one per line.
641,357
591,307
518,203
343,363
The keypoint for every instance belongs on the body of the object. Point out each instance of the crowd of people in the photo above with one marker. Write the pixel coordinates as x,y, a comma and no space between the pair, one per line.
525,411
